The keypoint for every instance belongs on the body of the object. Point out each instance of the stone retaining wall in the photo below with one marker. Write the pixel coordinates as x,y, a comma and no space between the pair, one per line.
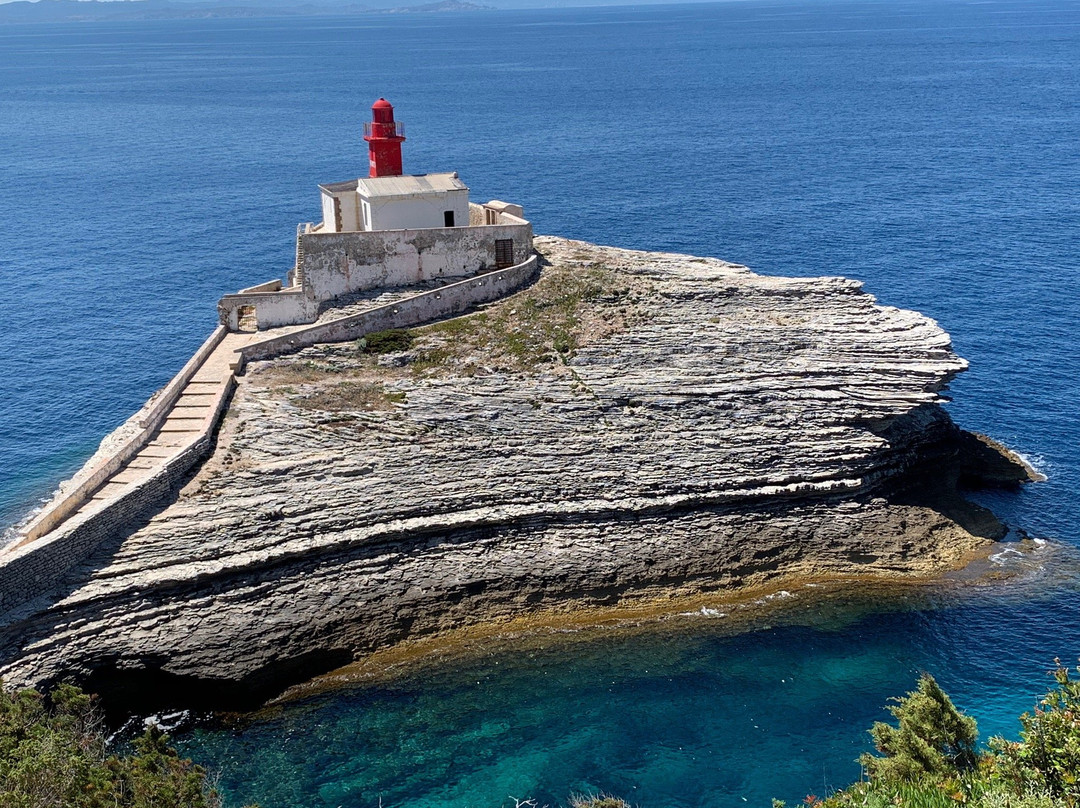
89,480
33,568
445,301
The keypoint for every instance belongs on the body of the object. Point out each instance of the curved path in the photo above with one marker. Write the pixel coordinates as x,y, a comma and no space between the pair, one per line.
162,438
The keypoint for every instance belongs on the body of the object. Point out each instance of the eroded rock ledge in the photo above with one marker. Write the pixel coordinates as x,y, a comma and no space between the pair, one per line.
636,425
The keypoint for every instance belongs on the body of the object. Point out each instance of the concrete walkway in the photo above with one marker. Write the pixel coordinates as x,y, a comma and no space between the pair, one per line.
195,412
189,419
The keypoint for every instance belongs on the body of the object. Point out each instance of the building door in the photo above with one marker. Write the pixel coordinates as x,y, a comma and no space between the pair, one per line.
337,215
448,218
504,253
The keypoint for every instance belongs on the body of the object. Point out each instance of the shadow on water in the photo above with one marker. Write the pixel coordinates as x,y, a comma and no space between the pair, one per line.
697,709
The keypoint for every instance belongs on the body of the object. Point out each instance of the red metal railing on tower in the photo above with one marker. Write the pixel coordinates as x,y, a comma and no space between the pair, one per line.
391,129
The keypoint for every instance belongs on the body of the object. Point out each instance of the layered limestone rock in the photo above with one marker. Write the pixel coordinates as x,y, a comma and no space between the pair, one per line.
634,426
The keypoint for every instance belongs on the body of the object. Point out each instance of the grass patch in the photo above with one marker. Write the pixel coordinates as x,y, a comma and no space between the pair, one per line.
569,307
351,396
290,372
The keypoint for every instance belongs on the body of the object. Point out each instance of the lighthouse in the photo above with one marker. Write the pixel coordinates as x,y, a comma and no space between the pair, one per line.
384,136
387,198
390,229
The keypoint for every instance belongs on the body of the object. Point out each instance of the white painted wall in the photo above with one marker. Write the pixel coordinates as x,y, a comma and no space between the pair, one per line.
350,210
272,309
328,219
350,207
416,212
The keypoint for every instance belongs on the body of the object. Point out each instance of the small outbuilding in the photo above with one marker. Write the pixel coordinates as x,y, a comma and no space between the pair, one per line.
403,202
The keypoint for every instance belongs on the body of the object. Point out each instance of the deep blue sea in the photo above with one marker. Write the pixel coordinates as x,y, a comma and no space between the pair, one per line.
929,148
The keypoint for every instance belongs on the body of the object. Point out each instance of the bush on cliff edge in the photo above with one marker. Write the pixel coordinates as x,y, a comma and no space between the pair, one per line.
53,752
928,760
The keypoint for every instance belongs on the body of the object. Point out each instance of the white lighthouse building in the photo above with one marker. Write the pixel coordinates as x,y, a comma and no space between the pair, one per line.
387,199
388,229
395,203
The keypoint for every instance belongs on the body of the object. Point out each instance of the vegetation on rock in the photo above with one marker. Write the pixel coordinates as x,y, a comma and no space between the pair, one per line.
570,306
53,752
928,759
389,341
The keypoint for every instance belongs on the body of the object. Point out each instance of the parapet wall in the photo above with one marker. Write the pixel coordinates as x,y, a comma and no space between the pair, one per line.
339,263
445,301
33,568
87,480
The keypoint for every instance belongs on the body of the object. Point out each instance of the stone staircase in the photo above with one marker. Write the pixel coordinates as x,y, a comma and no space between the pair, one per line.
188,420
298,270
194,414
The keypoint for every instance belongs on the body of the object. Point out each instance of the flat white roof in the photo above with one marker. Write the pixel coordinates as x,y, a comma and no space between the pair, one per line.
339,187
410,185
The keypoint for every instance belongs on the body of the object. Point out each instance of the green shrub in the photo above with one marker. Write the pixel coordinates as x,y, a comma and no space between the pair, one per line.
393,340
1047,757
929,758
53,753
932,738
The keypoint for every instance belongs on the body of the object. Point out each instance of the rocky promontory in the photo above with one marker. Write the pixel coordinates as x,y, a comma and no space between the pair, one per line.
634,427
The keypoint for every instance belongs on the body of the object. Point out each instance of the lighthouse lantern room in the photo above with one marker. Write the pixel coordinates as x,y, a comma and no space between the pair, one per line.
387,199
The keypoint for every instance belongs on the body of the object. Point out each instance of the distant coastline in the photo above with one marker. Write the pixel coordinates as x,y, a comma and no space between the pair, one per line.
31,11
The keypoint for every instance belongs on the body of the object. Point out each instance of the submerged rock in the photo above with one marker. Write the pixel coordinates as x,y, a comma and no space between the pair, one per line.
636,425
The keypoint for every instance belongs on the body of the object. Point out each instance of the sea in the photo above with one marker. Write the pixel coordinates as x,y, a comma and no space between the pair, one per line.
930,148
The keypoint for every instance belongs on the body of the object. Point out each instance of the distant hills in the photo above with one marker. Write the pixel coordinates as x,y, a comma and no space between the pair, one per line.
23,11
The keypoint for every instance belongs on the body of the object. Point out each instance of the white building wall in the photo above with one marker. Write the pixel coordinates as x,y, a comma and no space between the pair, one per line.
338,263
416,212
350,212
328,219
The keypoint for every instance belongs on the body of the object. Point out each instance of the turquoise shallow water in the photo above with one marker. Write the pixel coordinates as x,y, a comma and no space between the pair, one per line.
927,147
686,716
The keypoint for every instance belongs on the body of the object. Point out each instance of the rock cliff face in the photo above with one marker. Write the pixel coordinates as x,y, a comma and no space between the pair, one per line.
634,426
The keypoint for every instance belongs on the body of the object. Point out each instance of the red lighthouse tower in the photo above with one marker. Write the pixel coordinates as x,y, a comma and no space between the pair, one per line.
384,136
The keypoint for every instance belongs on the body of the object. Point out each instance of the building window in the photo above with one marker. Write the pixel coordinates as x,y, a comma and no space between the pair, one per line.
504,253
448,218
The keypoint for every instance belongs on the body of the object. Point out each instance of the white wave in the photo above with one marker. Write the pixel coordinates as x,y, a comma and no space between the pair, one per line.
1006,555
167,722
